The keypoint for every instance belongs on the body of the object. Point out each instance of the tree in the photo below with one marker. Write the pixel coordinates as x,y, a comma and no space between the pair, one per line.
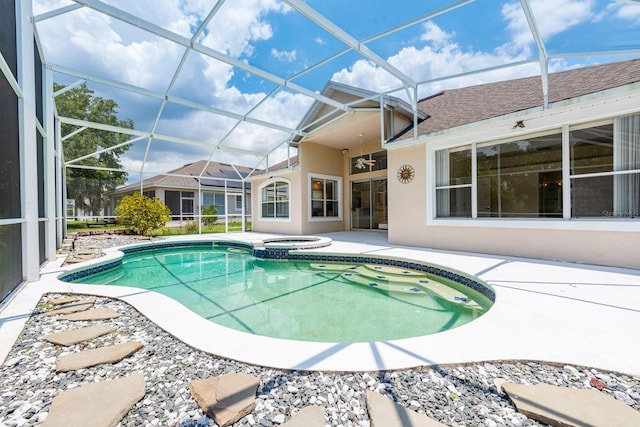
88,187
142,214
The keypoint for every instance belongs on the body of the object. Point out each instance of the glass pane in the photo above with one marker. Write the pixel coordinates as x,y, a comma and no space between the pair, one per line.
268,210
282,191
317,208
454,202
380,159
187,194
453,167
361,205
282,209
330,190
521,179
591,150
220,205
332,209
592,197
268,193
358,164
316,189
380,211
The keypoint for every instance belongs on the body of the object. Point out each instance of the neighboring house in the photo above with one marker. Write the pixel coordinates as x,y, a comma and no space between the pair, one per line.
489,169
184,190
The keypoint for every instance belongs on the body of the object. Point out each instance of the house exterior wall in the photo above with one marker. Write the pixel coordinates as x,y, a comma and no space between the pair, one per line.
320,160
291,225
315,160
413,221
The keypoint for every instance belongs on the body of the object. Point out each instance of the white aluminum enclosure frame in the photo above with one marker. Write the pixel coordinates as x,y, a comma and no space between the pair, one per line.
406,84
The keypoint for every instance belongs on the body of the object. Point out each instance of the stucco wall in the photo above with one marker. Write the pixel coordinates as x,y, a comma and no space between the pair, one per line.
407,202
318,159
292,225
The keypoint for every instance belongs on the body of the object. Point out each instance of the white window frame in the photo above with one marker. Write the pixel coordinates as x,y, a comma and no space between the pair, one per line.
289,201
565,223
324,178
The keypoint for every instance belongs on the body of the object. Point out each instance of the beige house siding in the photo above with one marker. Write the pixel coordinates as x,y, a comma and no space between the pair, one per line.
591,247
321,160
601,241
291,225
407,202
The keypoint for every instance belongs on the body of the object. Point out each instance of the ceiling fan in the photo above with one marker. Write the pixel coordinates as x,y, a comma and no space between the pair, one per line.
362,162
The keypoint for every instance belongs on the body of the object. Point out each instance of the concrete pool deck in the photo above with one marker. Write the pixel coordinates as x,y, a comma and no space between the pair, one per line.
546,311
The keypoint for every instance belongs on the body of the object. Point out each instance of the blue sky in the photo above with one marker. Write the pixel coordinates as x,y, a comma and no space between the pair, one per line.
270,35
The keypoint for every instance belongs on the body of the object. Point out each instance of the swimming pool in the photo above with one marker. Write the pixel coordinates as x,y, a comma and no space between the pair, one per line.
324,298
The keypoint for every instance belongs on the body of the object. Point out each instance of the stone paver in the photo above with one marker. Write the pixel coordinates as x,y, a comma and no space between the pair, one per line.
563,406
62,301
383,412
96,356
226,398
309,416
72,307
101,313
96,404
77,335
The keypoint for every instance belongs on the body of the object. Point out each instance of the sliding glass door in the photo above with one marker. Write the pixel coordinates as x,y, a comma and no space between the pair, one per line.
369,205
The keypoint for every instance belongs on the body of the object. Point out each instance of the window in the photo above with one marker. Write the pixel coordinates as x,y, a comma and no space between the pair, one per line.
214,199
605,169
238,203
325,197
524,178
274,200
521,179
453,182
369,162
181,204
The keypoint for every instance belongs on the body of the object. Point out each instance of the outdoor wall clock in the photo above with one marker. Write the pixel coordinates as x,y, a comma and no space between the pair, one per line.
406,173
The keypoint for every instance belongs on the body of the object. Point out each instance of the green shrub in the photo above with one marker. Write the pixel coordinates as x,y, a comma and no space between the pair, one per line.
142,214
209,214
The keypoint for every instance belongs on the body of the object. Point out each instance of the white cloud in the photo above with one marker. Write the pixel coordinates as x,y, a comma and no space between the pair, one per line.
442,55
626,11
284,55
436,35
320,41
552,17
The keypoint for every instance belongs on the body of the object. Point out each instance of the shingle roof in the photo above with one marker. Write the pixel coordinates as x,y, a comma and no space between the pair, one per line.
457,107
212,177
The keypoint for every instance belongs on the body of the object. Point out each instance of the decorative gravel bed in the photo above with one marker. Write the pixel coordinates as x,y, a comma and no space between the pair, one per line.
454,395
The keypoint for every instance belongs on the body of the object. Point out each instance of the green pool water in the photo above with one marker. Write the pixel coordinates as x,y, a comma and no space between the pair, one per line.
307,301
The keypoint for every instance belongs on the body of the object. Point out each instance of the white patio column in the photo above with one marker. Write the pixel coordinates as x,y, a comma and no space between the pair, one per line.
28,142
49,165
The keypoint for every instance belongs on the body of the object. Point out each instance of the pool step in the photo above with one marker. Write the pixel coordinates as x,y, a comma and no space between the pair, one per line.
383,284
405,283
330,266
394,271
